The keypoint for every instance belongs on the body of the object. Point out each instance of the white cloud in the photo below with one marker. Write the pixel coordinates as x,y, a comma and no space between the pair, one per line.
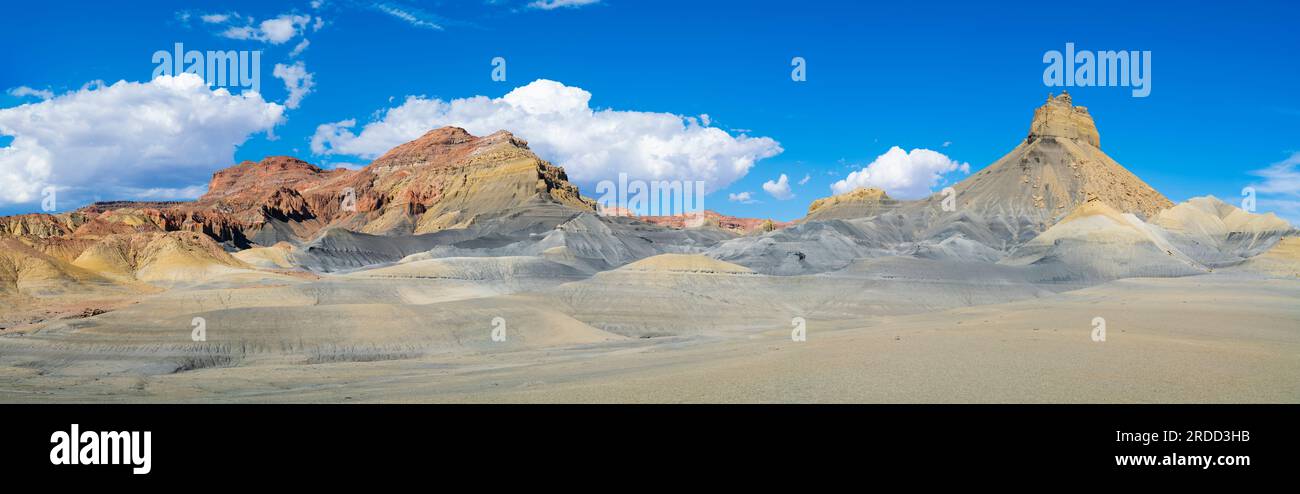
276,31
24,91
301,46
779,189
283,28
411,16
297,81
902,174
240,32
1281,188
805,179
215,18
156,139
1282,177
560,126
555,4
743,198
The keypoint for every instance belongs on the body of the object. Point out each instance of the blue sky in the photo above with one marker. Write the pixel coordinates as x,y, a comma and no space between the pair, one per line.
953,77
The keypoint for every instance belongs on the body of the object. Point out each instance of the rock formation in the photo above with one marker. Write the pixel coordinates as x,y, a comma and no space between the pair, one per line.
1097,243
1057,168
858,203
446,179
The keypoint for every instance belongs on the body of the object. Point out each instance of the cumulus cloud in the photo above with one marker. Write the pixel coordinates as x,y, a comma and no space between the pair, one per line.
24,91
560,126
297,81
902,174
159,139
555,4
276,31
779,189
743,198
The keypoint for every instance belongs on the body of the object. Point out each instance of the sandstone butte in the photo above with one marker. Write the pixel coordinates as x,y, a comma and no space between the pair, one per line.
1057,167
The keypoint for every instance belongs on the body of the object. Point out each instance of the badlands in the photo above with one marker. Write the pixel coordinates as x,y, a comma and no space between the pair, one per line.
457,268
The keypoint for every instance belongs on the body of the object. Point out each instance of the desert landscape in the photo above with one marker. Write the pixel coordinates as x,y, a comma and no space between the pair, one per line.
462,268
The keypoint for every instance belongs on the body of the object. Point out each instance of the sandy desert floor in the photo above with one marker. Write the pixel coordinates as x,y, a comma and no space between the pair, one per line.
1223,337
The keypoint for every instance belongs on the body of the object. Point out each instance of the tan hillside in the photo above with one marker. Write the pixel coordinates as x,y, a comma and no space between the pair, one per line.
41,225
858,203
27,271
1281,260
160,258
278,256
448,178
1210,216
